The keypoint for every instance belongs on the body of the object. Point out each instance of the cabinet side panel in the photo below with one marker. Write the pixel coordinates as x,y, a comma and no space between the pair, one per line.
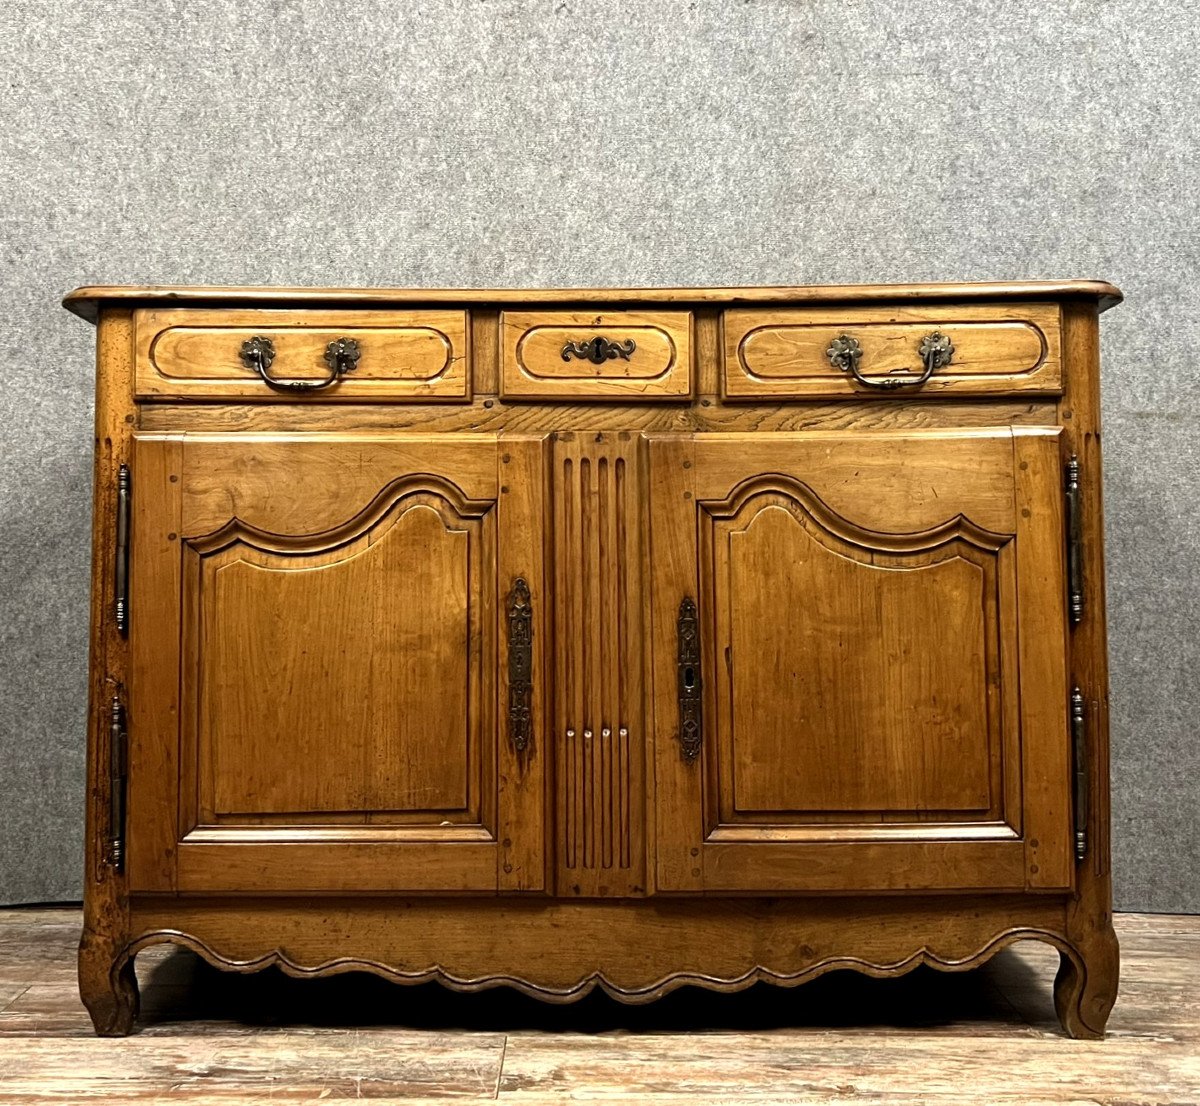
105,908
1084,999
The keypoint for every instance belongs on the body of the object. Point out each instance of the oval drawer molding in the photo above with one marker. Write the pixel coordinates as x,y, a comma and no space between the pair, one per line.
194,353
622,355
996,350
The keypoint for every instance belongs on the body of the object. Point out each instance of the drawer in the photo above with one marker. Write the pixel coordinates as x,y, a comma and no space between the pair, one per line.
197,353
617,355
974,350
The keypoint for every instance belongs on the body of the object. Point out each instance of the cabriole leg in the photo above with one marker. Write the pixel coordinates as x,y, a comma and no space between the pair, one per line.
1086,985
109,993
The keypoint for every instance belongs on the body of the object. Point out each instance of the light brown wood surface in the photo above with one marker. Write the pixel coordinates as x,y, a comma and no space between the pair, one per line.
599,727
655,362
772,352
337,646
324,702
86,301
864,613
405,355
987,1036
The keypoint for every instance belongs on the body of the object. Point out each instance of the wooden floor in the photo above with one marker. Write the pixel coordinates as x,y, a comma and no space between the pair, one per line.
984,1036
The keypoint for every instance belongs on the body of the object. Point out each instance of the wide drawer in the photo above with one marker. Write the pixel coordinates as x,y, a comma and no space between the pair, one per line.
969,350
618,355
198,353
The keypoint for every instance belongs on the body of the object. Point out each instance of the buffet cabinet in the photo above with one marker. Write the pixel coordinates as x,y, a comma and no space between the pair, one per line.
617,639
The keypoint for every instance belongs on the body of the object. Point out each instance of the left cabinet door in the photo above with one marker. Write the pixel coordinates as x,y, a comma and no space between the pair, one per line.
320,628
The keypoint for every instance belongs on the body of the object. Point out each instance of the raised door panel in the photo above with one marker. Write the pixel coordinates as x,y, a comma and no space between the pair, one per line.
332,609
354,661
869,611
838,696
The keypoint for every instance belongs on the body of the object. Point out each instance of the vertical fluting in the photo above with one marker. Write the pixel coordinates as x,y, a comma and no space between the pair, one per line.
594,542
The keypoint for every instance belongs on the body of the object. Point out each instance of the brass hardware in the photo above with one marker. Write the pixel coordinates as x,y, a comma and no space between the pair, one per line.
935,351
1074,543
118,771
520,665
598,350
341,355
1079,750
121,563
691,732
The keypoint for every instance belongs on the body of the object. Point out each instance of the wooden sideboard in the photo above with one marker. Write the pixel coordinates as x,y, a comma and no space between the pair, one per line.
618,639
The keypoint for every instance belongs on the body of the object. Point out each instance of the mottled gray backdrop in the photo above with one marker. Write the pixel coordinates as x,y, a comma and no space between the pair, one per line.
592,142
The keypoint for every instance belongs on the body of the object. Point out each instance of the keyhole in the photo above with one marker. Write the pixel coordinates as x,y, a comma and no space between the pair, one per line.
689,678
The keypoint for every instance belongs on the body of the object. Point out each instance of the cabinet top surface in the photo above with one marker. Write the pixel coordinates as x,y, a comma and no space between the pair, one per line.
88,300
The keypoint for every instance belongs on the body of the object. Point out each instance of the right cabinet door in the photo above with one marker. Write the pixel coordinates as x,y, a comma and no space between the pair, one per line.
860,677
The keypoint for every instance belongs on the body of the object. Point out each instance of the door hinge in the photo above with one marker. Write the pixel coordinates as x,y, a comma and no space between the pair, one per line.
121,562
691,733
1074,543
1079,756
118,753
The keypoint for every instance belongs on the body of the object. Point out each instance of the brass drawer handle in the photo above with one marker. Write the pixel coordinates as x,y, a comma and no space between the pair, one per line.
935,352
341,356
598,350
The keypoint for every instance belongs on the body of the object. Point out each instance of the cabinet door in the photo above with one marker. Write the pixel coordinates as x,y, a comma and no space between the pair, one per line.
877,661
319,638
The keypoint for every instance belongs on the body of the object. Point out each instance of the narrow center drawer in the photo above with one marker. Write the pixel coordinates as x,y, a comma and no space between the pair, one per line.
619,355
807,352
199,353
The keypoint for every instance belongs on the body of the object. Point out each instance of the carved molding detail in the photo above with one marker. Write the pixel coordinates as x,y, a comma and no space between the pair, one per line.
597,546
959,527
236,530
1073,973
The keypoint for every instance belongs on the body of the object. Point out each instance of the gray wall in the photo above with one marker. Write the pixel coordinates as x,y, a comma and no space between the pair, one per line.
577,142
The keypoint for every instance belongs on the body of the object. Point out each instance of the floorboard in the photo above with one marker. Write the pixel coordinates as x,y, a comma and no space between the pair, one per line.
987,1036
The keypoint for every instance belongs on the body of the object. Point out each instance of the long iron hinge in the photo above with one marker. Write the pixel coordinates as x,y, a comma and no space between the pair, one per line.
121,562
1079,755
1074,543
118,774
